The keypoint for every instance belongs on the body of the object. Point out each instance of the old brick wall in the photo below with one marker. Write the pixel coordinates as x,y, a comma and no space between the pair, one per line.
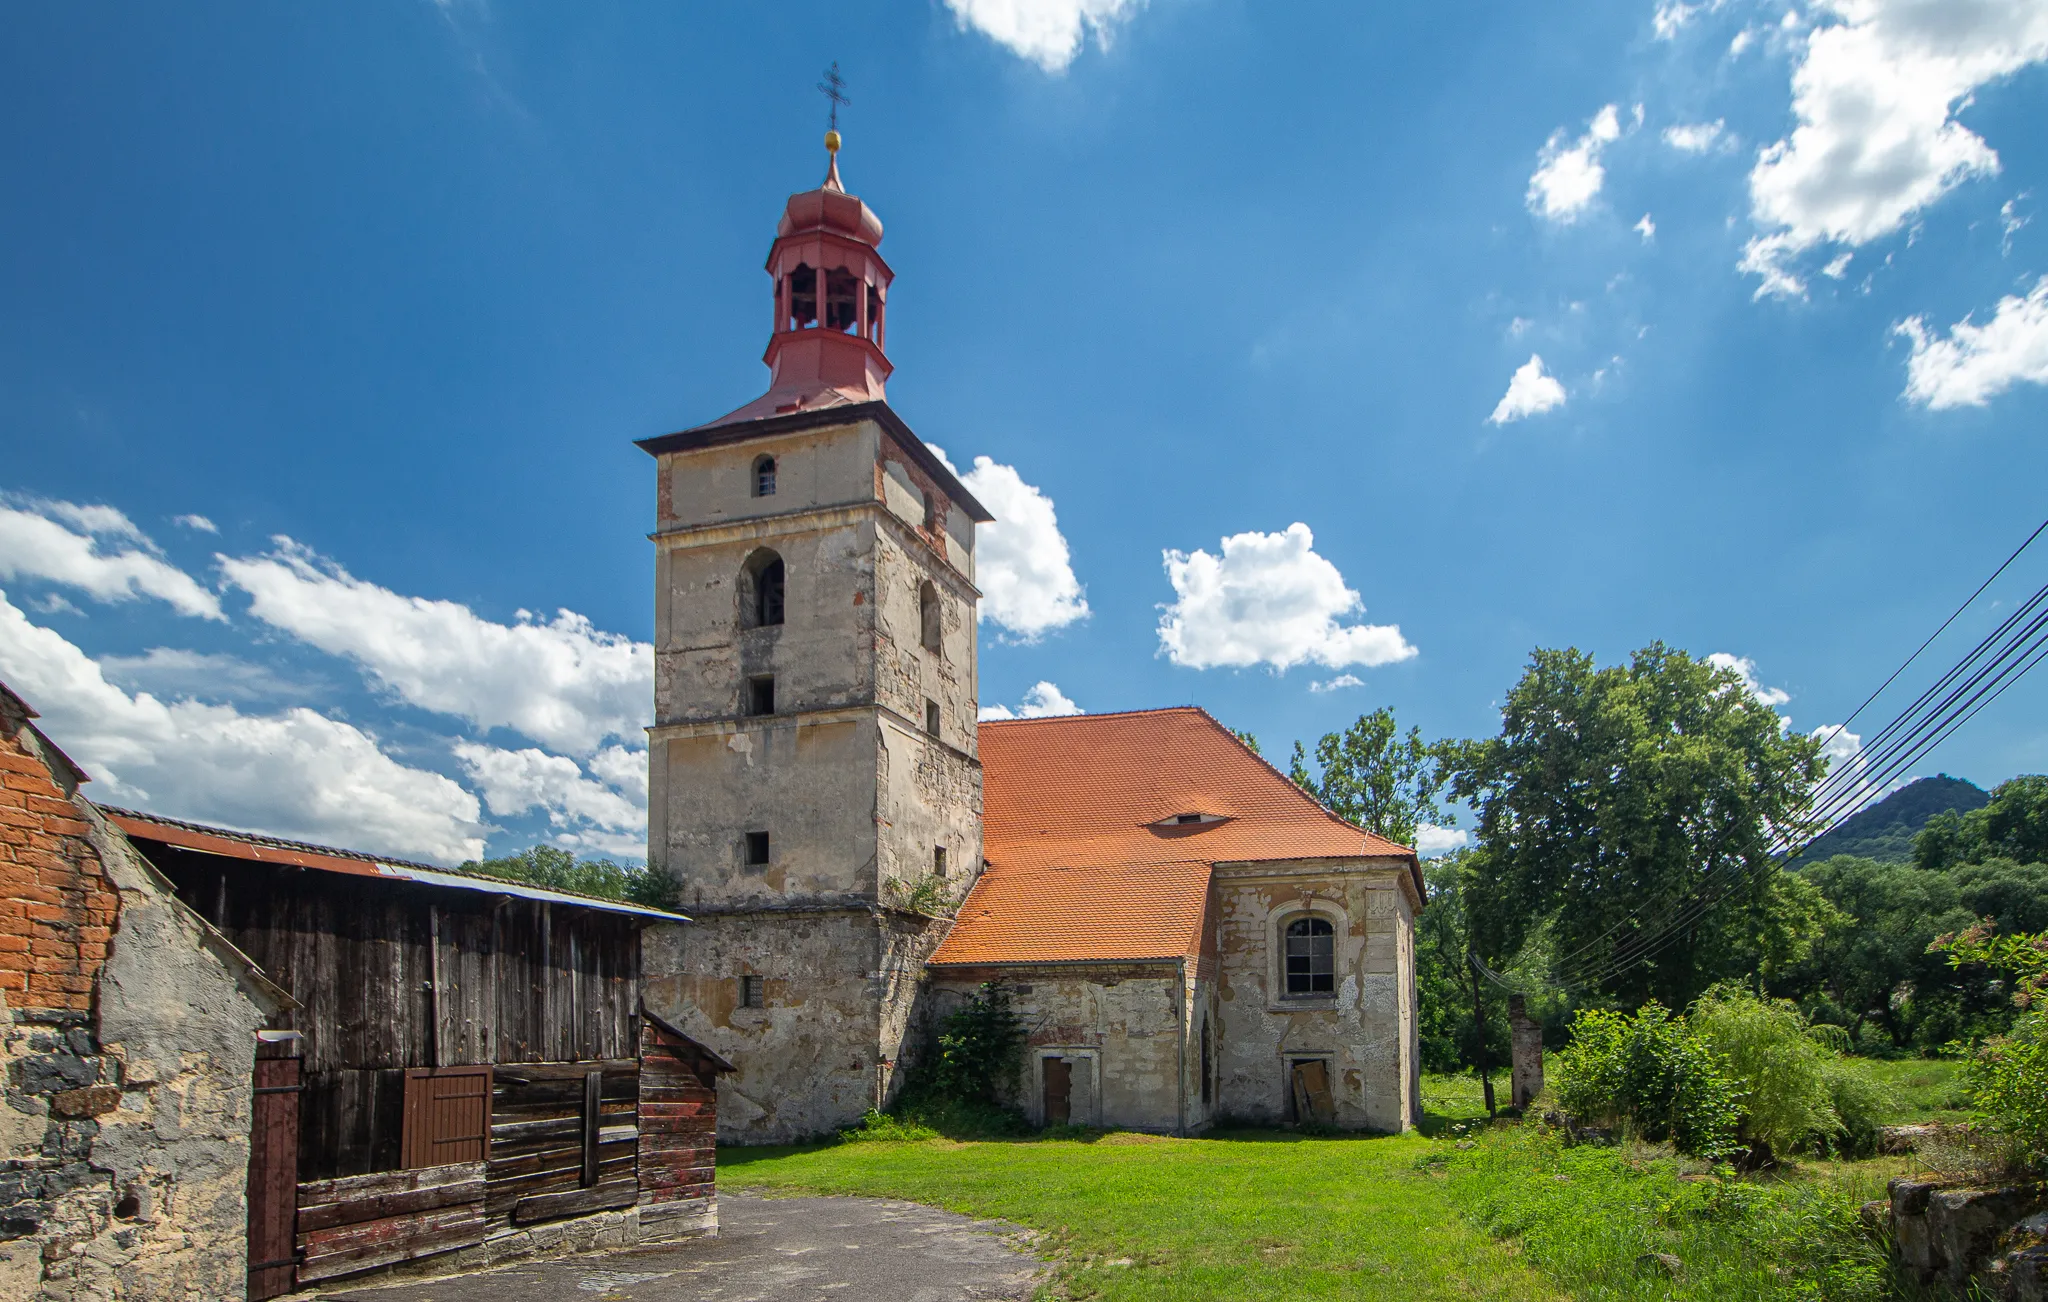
125,1047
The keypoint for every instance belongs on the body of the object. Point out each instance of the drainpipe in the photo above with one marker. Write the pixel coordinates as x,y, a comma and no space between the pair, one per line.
1180,1035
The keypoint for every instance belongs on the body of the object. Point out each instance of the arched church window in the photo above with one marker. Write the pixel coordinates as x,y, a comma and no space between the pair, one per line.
928,622
761,595
803,297
764,477
842,300
1311,958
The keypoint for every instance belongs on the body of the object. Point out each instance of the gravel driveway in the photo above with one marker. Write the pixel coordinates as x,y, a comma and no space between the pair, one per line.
768,1250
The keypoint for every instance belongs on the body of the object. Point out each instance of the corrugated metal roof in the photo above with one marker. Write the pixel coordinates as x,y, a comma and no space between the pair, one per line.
299,854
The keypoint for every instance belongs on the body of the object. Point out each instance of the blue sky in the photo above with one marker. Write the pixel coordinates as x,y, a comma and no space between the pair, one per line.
1535,319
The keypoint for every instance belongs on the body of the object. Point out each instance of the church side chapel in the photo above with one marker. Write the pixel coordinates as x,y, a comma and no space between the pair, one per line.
1186,935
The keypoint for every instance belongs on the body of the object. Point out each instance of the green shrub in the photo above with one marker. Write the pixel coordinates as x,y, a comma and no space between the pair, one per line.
978,1048
2008,1076
1788,1078
1651,1072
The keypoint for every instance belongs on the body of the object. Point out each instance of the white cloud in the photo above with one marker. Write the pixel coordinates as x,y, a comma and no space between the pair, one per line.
1839,267
1695,137
1431,840
1876,142
1337,684
1047,32
197,522
1646,228
295,773
1978,362
562,683
1269,599
1531,392
585,814
1568,177
1839,744
1745,669
1021,563
2010,222
1043,701
36,543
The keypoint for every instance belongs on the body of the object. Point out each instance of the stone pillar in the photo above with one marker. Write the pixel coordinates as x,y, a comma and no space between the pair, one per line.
1527,1037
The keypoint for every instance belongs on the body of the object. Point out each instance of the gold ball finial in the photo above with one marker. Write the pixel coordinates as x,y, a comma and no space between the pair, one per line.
832,141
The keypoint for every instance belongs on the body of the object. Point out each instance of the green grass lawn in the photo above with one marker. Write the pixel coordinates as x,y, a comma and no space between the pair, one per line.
1924,1089
1512,1214
1255,1215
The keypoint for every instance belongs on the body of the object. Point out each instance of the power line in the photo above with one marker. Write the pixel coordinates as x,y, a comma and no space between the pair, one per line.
2014,648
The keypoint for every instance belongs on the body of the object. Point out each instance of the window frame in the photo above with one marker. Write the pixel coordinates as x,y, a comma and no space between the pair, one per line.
753,991
1342,957
1307,924
761,481
748,844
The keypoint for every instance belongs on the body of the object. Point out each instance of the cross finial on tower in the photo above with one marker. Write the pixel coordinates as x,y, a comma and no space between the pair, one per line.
833,88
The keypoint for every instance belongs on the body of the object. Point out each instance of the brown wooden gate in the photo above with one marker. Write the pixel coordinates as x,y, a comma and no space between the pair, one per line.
1059,1084
273,1176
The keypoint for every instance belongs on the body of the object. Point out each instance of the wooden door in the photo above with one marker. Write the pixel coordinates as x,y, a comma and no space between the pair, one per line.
1312,1099
447,1116
274,1178
1059,1087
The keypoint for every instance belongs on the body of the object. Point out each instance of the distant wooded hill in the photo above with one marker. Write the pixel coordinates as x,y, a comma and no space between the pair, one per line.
1885,831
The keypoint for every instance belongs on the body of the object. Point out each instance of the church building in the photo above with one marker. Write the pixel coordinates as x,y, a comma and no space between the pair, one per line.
1187,936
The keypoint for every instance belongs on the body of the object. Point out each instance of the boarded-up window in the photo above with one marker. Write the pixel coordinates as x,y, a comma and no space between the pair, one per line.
447,1115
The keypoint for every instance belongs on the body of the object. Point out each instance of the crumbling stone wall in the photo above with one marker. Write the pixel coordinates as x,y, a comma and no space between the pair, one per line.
1131,1029
125,1047
1365,1029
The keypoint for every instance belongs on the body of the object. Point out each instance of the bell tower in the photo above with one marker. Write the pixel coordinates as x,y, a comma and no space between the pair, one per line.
814,782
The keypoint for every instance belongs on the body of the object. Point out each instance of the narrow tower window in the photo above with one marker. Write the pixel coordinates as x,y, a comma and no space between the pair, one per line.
938,861
803,297
928,615
757,849
752,993
1311,957
761,585
761,694
931,717
875,314
764,477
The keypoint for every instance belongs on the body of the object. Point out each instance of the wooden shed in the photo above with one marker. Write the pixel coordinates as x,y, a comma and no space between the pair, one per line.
469,1059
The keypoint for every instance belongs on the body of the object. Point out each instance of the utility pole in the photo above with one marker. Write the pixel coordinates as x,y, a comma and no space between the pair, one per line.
1479,1016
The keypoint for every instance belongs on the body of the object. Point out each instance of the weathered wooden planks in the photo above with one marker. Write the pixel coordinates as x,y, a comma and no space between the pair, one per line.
360,1222
577,1202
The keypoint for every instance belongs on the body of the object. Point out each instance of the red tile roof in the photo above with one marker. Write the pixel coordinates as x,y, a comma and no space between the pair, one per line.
1080,866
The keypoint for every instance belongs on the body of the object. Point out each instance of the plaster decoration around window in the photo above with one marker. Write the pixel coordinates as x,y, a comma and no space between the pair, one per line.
1341,956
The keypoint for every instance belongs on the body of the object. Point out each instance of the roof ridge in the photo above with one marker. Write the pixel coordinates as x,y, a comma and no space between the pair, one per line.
1094,714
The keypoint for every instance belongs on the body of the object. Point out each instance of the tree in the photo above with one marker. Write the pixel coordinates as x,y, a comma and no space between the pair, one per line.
559,869
1618,802
1371,775
1873,965
2014,825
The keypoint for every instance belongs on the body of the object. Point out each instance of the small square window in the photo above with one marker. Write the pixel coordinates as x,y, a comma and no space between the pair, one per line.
761,694
931,717
753,992
757,848
938,861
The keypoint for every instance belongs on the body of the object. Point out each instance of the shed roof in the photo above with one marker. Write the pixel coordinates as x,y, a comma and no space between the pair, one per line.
257,848
1085,858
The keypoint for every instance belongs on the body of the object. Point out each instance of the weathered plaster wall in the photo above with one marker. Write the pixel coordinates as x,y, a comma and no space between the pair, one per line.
1366,1028
1127,1022
853,791
124,1114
